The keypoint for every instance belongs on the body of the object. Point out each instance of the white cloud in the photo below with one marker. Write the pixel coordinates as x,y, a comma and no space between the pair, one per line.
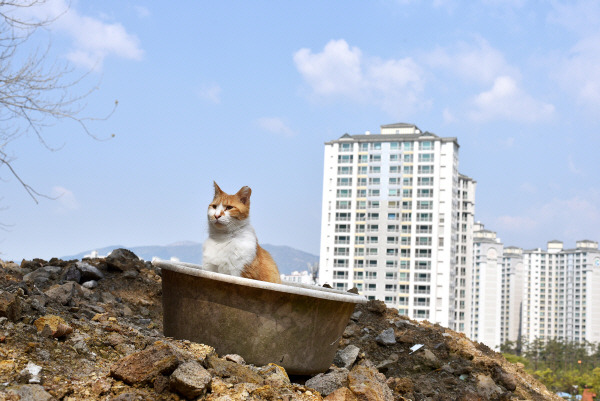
342,71
142,12
578,73
506,101
570,219
65,198
211,92
572,167
478,62
93,39
448,116
275,125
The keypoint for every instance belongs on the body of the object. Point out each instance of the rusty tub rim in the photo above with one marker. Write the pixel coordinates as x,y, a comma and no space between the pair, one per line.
287,287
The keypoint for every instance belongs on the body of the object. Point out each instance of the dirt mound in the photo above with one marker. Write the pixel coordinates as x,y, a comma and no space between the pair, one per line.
92,330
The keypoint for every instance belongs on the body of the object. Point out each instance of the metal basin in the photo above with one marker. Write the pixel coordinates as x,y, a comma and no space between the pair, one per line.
296,326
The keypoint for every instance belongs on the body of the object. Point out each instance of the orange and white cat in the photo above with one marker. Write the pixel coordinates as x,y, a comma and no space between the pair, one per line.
232,247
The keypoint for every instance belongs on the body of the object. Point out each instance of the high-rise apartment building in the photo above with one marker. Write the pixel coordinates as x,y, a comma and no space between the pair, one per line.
390,222
561,297
533,294
485,283
464,253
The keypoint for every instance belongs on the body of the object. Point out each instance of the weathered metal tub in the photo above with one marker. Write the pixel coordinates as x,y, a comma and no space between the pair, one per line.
296,326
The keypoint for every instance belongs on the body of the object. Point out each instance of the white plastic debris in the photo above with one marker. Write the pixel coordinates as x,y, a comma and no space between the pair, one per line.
415,347
34,372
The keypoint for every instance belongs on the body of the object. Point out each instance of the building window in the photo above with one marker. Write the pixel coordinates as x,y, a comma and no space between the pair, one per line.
345,159
425,145
346,147
344,170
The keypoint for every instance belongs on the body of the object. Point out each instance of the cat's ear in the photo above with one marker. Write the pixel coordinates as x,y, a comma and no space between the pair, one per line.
218,191
244,195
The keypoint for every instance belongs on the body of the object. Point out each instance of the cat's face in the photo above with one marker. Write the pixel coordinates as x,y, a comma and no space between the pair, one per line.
229,211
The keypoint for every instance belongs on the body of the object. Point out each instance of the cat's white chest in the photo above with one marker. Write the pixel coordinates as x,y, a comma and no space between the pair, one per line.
229,254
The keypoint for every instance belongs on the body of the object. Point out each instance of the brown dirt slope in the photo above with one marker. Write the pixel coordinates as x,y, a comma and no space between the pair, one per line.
92,330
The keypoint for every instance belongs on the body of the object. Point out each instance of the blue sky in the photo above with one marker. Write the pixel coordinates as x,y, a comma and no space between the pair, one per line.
246,93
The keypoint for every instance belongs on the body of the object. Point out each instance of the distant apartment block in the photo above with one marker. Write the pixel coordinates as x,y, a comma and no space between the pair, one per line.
485,284
302,277
396,221
561,297
535,293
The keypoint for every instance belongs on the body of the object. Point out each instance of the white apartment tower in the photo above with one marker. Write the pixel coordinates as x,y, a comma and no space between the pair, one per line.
560,295
486,296
390,219
464,253
512,292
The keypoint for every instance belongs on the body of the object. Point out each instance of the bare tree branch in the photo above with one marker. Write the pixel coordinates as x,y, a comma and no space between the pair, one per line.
35,93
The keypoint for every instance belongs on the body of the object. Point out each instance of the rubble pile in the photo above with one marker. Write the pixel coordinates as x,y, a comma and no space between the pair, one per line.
92,330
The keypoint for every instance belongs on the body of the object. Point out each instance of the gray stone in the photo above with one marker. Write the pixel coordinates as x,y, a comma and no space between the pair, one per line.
124,260
386,337
30,392
38,276
346,357
327,383
356,315
63,294
91,284
190,379
72,273
89,272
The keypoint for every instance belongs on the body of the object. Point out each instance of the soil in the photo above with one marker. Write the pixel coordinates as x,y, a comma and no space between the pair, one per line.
77,330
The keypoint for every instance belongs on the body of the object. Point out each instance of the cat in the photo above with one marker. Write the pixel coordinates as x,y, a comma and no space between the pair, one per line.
232,247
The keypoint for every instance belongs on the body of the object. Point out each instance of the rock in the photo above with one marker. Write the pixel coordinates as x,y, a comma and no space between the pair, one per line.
89,272
386,337
64,294
376,306
327,383
346,357
401,385
274,375
368,384
124,260
235,358
487,387
10,306
72,273
234,372
341,394
91,284
32,264
52,326
429,359
505,379
190,379
30,392
356,315
141,367
384,365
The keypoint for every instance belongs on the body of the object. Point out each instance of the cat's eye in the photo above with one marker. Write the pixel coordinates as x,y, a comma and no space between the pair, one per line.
228,207
213,206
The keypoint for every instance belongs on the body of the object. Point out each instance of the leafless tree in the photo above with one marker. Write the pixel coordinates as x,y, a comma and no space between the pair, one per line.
35,92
